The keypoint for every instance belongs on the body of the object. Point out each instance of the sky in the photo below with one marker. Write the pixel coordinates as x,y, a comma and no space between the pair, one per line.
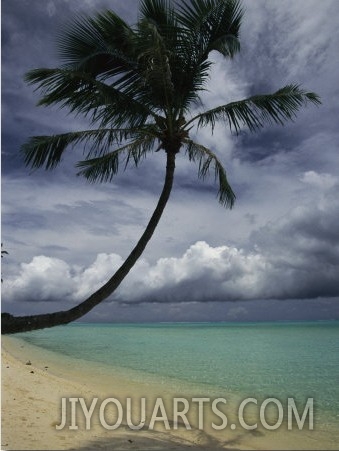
274,256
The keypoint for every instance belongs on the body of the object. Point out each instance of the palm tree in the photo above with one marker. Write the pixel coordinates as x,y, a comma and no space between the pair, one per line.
137,86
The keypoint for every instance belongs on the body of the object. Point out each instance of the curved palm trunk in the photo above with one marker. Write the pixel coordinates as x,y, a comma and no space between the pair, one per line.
12,324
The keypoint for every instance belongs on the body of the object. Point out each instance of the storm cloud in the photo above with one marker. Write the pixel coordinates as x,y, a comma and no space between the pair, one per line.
295,257
279,245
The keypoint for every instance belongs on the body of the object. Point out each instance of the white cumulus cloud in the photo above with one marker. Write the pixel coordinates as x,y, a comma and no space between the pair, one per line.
322,181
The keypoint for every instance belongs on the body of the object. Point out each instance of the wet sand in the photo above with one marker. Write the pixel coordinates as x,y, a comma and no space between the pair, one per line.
31,410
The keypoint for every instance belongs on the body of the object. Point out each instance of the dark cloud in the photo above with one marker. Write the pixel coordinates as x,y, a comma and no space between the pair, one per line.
296,257
279,243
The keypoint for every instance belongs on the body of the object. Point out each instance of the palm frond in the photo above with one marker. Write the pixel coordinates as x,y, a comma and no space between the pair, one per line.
214,25
205,25
100,46
161,13
256,111
103,168
154,61
137,84
81,93
206,158
47,151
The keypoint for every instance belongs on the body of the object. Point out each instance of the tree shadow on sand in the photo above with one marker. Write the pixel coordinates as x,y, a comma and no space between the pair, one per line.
125,439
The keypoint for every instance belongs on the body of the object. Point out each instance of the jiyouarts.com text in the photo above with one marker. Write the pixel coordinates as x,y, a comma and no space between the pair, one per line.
111,413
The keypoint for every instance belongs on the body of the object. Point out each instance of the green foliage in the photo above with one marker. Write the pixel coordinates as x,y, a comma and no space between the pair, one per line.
103,168
206,158
255,111
137,83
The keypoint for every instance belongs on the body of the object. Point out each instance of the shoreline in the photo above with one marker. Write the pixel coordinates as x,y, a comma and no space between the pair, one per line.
31,410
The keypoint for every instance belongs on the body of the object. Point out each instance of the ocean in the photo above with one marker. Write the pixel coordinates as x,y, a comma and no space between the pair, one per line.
278,360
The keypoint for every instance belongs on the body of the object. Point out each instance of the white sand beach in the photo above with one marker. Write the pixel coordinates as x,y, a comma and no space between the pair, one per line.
31,410
31,397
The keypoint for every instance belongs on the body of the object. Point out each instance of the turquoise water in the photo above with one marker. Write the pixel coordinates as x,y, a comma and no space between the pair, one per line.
259,360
